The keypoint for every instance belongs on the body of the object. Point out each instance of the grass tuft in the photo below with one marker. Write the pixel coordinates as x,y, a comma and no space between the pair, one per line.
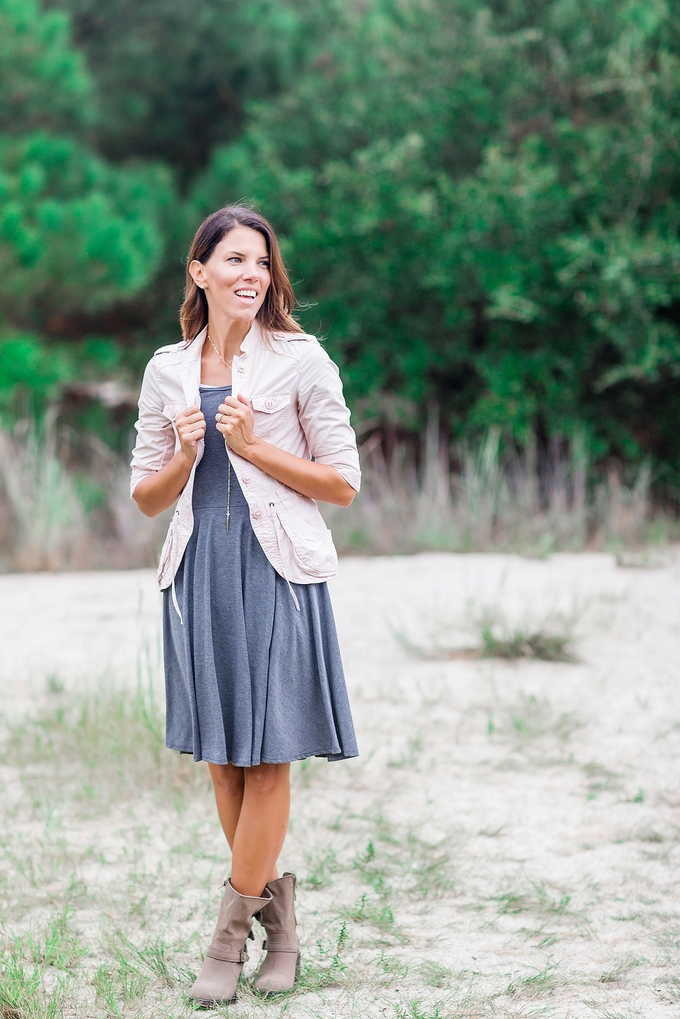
60,947
547,639
22,989
545,647
367,911
326,968
321,870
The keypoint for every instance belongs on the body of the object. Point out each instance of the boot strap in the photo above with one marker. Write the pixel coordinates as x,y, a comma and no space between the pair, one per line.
216,951
281,946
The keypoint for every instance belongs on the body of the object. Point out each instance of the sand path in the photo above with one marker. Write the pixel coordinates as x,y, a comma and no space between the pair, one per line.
507,844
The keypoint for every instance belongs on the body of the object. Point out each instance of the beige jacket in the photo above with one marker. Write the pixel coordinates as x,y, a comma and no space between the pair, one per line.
296,395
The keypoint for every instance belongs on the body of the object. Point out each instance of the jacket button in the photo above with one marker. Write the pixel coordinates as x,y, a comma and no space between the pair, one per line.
239,368
269,403
256,514
246,479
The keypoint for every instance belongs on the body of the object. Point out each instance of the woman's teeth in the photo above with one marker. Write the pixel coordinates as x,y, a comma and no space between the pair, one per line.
250,294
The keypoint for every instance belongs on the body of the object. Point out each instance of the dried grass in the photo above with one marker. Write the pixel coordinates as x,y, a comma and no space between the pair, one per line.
492,501
54,516
475,497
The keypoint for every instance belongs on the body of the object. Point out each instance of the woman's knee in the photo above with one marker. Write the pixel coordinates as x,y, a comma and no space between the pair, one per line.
267,779
227,779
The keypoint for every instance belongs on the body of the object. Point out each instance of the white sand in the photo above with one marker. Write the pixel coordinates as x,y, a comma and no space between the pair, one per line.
554,788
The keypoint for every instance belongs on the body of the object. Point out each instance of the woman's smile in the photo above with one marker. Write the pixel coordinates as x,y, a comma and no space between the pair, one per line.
246,295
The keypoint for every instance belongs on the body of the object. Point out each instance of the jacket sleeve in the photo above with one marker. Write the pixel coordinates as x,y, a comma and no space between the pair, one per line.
324,415
155,445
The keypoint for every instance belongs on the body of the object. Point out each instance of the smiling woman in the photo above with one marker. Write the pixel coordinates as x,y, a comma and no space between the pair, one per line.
230,419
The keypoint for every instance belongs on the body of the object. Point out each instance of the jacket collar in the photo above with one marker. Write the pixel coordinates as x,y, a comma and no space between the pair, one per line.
190,365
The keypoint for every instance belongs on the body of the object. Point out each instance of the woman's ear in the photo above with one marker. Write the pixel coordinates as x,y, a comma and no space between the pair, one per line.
197,271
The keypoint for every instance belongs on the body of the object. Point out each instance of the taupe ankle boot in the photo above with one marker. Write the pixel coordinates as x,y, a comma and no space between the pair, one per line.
216,982
279,969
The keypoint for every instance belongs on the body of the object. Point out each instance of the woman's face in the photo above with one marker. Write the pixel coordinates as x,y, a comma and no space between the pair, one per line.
236,277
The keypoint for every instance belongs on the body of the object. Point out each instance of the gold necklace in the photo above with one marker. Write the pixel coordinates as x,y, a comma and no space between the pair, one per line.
227,363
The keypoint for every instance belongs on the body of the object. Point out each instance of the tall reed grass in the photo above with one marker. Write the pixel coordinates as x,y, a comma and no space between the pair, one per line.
60,510
478,497
472,497
44,516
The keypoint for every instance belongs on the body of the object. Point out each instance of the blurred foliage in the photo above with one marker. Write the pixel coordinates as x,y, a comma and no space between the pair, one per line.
43,81
76,233
480,204
174,75
30,374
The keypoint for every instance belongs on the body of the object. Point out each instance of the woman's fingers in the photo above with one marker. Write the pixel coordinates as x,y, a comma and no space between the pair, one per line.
189,416
233,409
191,425
191,429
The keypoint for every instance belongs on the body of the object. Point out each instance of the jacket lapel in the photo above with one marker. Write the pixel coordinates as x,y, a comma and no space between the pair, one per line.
190,370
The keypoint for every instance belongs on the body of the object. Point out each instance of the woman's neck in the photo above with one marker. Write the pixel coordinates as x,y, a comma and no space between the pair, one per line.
227,334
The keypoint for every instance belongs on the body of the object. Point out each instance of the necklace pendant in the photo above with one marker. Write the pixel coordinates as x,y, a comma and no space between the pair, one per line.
228,516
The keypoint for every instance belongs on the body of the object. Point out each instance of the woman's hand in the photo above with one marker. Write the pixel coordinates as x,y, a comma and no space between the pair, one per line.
235,421
317,481
158,491
190,425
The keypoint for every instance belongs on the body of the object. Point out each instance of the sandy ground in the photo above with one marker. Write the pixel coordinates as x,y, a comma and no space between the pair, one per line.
506,845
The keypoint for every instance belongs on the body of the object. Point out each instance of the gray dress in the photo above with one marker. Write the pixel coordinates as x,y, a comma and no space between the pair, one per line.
249,679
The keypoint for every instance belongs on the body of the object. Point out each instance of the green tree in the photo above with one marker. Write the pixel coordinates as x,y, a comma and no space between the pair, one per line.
173,75
76,234
481,208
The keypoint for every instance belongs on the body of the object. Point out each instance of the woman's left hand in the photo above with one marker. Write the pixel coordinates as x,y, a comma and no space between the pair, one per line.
235,421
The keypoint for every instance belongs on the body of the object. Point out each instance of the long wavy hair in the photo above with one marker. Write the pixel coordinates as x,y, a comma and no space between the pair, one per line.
275,314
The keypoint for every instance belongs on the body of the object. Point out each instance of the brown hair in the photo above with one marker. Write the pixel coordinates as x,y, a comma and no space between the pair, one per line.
275,315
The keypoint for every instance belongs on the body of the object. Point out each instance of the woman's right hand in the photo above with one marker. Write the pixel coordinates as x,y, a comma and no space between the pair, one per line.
190,425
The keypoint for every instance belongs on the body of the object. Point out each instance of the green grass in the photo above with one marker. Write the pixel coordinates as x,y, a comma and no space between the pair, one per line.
548,637
320,870
23,991
535,898
59,946
94,749
542,646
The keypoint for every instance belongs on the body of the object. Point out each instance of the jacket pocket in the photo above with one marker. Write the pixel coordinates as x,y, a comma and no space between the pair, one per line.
270,403
310,543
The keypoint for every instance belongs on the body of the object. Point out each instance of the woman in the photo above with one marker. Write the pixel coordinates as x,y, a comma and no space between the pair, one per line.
244,424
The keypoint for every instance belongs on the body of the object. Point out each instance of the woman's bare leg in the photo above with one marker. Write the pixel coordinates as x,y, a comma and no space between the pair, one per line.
255,824
228,783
